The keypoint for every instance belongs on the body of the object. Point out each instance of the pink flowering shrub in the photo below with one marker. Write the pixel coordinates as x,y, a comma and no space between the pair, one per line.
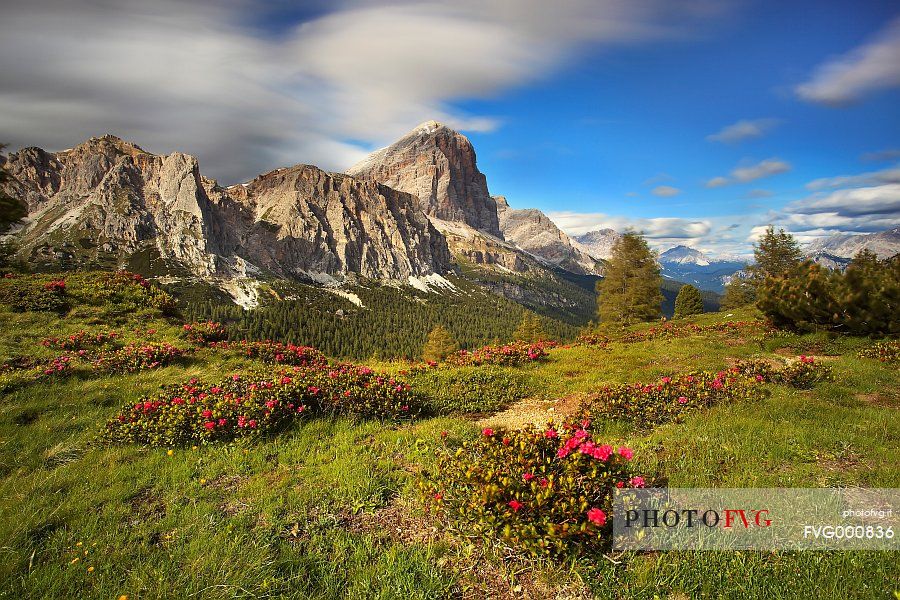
82,340
24,370
198,412
259,403
136,357
544,492
648,405
512,354
203,333
276,353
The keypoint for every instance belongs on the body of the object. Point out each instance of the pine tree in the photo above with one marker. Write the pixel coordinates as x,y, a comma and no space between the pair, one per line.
688,302
739,292
630,290
776,255
530,329
439,344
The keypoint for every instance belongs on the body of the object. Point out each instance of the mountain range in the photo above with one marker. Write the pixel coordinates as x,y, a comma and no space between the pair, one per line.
412,213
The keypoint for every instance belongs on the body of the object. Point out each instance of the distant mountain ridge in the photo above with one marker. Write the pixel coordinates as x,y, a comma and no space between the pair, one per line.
885,244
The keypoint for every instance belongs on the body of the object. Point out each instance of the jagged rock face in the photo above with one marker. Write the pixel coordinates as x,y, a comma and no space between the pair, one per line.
437,165
532,231
307,221
110,197
107,195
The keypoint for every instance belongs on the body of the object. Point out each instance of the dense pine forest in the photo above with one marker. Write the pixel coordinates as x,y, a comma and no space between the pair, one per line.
392,321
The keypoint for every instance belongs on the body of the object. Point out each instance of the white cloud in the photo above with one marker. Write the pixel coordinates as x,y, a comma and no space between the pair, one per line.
871,67
202,77
743,130
766,168
748,173
854,202
717,182
891,175
575,223
665,191
848,210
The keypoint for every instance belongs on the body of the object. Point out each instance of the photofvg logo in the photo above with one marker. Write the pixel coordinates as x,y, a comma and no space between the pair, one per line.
756,518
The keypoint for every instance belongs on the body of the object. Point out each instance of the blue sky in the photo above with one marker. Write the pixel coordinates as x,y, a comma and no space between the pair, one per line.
695,121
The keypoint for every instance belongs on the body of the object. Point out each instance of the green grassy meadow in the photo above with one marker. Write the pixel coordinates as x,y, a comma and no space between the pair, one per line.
327,509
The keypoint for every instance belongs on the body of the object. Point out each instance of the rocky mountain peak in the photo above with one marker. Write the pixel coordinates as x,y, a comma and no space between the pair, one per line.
684,255
438,166
599,242
533,231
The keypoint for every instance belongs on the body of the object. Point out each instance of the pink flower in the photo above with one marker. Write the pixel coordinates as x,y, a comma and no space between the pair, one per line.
625,452
666,379
528,476
550,433
242,420
515,505
206,414
252,423
597,517
619,484
222,422
637,481
438,496
235,377
543,482
682,400
209,425
487,432
759,378
602,452
285,380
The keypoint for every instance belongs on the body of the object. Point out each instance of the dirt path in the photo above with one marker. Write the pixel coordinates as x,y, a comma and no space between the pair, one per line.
533,411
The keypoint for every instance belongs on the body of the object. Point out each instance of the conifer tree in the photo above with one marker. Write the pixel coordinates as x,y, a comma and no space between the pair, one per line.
439,345
688,302
739,292
776,254
530,329
630,290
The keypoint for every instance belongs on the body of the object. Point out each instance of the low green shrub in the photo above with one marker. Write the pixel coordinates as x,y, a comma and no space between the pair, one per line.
802,373
26,293
469,389
542,492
